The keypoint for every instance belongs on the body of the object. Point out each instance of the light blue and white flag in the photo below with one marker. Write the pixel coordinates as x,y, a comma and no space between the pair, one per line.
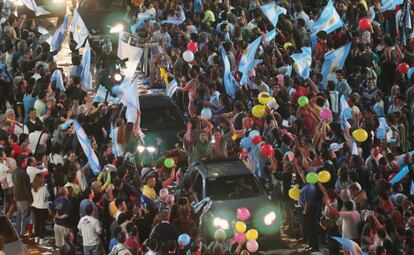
57,77
352,247
59,36
334,61
116,148
87,148
86,75
31,4
303,62
132,53
198,6
142,17
245,74
101,94
176,20
79,30
400,175
272,12
172,87
248,55
130,98
382,129
390,5
268,37
346,112
328,21
230,83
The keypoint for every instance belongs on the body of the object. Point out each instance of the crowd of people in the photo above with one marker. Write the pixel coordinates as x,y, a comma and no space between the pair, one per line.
128,208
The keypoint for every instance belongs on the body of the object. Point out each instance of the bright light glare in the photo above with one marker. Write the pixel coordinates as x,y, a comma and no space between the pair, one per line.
57,1
117,77
269,218
140,148
220,223
151,149
117,29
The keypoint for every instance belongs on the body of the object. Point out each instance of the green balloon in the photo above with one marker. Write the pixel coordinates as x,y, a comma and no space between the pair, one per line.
169,163
302,101
312,178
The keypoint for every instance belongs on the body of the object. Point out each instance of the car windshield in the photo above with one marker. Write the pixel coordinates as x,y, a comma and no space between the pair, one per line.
232,187
161,118
6,231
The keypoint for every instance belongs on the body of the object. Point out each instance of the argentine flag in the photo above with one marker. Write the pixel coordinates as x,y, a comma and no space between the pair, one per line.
268,37
57,77
132,53
334,61
272,12
176,20
86,75
171,88
303,62
101,94
87,148
346,112
248,55
59,36
329,20
349,245
116,148
79,30
130,98
390,5
230,83
31,4
142,17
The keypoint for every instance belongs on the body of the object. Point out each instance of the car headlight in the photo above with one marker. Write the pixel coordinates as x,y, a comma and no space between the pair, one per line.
221,223
118,28
150,149
269,218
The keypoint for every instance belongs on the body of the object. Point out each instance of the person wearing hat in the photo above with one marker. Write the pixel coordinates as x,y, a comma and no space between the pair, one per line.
149,195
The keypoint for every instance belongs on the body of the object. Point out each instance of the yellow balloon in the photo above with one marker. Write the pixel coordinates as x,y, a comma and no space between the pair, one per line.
324,176
294,193
287,45
258,111
240,227
234,137
252,234
264,98
360,135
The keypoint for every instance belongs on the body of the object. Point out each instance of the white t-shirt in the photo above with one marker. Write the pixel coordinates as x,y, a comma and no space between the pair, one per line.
32,171
83,184
90,229
350,221
41,198
5,175
34,137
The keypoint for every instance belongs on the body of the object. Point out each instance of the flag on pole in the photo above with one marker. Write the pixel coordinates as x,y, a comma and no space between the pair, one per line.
400,175
59,36
352,247
31,4
57,77
130,98
334,61
230,83
245,77
303,62
390,5
86,75
172,87
87,148
346,112
328,21
272,12
79,30
127,51
248,55
101,94
116,149
268,37
176,20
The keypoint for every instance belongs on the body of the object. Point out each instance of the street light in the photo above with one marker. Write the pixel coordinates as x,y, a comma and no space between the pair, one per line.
118,28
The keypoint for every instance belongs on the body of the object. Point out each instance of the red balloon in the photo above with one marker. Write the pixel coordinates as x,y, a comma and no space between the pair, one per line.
403,68
365,24
257,139
412,42
267,150
192,46
244,154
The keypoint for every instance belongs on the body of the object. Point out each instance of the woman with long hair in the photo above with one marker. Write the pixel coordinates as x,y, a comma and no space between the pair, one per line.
40,207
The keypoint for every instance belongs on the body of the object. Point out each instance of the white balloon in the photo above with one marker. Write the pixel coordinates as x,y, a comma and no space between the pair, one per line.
206,113
188,56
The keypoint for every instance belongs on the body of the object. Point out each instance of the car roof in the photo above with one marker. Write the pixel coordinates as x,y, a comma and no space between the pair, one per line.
155,100
224,167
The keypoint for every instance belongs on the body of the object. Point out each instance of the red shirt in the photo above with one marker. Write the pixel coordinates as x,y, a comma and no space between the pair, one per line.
17,150
300,91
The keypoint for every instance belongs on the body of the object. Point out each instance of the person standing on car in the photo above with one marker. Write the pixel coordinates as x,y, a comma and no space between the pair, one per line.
22,194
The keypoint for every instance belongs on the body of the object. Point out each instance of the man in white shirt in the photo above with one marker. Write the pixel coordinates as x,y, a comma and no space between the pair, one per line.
6,182
33,169
90,229
38,137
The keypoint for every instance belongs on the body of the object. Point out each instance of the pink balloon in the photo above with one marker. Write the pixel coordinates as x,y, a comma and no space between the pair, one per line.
325,114
239,237
252,246
192,46
243,213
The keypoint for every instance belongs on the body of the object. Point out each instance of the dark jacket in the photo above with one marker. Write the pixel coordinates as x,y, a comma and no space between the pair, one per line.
21,186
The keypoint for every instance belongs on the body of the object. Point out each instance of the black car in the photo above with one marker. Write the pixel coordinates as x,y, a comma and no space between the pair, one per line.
230,185
161,121
12,242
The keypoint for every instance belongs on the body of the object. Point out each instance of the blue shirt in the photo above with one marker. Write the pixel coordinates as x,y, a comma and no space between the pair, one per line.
62,206
112,244
307,194
28,102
